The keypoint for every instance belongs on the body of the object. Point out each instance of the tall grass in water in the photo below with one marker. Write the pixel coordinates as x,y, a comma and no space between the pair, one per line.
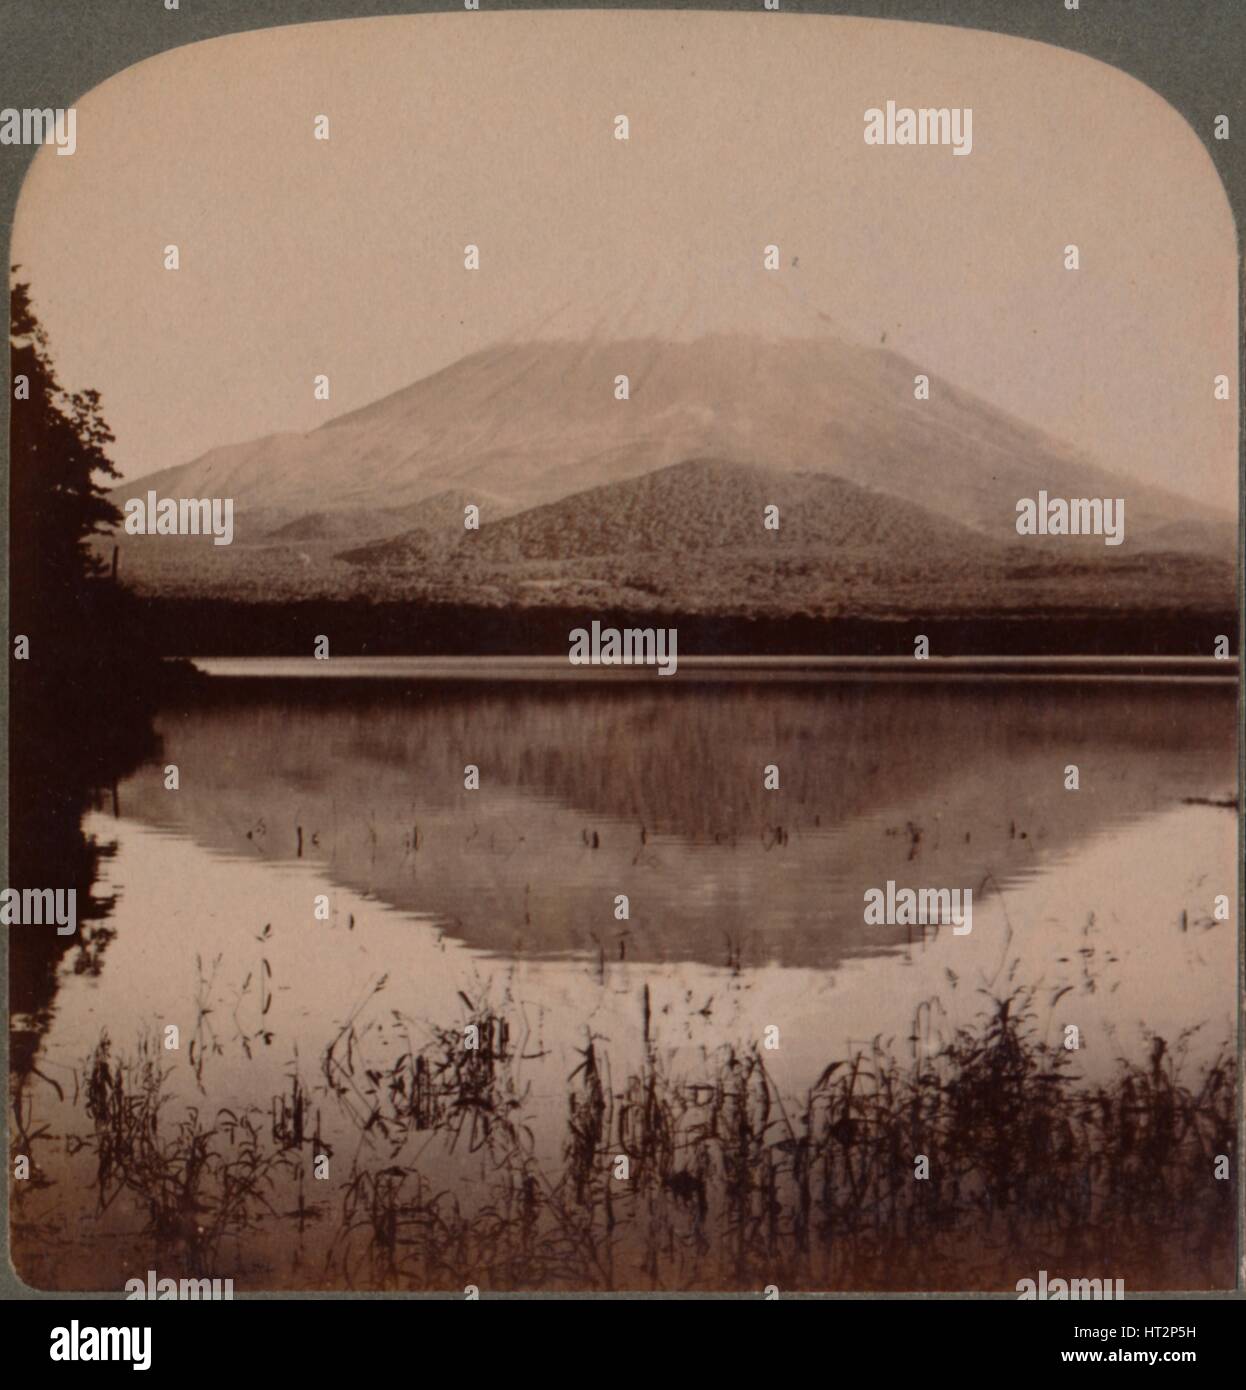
729,1184
195,1183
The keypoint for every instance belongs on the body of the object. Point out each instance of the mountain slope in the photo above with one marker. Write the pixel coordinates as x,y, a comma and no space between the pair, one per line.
690,539
535,422
700,506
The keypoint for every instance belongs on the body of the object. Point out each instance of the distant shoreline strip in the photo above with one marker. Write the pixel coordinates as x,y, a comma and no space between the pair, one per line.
713,668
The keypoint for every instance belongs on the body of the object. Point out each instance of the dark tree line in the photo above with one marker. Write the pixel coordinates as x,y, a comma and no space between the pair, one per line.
86,670
57,499
82,684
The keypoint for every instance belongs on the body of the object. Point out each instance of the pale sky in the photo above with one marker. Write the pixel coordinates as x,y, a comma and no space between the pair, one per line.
345,257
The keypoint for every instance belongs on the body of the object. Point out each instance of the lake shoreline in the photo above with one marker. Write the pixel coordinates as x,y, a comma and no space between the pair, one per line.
190,626
720,668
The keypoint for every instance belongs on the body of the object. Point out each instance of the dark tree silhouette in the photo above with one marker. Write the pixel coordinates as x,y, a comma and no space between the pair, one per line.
57,457
82,697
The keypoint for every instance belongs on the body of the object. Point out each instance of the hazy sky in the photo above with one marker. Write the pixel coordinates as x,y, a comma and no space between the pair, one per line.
345,257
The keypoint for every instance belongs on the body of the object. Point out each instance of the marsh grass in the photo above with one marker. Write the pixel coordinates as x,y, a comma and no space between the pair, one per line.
729,1184
195,1183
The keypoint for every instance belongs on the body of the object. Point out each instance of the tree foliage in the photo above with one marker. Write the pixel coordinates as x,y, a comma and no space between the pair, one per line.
58,459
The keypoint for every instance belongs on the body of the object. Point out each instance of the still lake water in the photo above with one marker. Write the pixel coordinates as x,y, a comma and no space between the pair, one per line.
745,904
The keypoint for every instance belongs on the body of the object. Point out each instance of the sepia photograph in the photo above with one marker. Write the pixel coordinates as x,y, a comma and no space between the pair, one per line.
624,666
